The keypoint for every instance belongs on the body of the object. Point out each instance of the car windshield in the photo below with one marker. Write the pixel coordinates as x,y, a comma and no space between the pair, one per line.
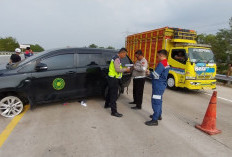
14,66
201,55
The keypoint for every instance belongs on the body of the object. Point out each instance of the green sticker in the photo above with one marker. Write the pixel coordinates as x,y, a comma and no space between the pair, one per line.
58,83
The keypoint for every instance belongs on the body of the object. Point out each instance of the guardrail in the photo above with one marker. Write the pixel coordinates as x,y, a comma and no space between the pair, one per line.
6,53
10,53
224,77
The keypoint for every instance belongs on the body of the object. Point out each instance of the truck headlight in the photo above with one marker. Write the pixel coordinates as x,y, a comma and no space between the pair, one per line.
195,83
190,78
212,77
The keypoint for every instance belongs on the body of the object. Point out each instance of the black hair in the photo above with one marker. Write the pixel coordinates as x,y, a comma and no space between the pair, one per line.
164,52
28,48
139,52
122,49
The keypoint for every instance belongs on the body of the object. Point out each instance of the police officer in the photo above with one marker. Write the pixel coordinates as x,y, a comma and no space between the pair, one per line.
139,74
159,83
114,76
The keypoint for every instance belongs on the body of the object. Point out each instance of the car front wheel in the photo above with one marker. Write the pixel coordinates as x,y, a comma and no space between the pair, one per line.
10,106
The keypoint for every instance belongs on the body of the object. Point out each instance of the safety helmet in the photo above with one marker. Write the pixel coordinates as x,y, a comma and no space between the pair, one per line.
18,50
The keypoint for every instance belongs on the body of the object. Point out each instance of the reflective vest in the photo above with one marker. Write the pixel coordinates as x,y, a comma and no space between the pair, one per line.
112,71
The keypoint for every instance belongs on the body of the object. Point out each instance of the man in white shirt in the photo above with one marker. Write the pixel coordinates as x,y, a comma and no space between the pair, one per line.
139,75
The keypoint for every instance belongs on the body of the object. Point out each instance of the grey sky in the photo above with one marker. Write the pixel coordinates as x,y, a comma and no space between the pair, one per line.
78,23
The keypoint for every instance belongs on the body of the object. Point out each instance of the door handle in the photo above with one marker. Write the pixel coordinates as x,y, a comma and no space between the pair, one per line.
70,72
27,81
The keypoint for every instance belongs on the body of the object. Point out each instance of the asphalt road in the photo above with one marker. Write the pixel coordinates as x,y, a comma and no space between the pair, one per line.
4,59
74,130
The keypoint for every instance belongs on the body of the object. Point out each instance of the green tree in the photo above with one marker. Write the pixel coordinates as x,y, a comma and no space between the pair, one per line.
110,47
221,43
93,46
8,44
230,23
101,47
36,48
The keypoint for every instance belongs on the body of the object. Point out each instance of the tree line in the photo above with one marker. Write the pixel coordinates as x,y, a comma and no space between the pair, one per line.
221,43
95,46
9,44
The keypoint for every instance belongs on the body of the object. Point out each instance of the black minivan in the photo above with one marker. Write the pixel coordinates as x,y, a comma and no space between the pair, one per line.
56,75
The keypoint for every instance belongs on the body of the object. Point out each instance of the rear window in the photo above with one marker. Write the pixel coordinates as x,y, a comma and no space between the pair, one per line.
63,61
126,60
89,59
108,56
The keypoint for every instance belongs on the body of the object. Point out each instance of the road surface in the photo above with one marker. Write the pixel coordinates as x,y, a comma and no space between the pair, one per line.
74,130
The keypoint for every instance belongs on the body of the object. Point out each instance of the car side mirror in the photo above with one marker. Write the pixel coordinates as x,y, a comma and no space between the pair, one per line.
41,67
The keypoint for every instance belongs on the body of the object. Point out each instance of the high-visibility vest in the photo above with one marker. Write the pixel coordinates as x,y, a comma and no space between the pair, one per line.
112,71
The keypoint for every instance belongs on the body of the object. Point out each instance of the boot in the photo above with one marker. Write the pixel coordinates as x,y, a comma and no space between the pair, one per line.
116,114
160,117
152,123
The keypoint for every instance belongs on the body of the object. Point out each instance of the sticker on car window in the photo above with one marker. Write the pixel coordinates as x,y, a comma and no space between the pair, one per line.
58,83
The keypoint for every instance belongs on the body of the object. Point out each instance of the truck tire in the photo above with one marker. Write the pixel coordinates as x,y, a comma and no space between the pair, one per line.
171,82
11,106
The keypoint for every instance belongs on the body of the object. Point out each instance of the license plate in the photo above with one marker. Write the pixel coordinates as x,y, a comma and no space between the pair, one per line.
207,88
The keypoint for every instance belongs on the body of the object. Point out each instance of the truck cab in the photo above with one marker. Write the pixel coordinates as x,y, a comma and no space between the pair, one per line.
192,66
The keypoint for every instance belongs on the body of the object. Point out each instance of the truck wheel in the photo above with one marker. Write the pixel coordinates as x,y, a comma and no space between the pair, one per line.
171,82
11,106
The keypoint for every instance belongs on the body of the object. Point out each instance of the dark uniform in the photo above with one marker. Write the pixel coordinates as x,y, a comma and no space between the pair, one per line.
114,76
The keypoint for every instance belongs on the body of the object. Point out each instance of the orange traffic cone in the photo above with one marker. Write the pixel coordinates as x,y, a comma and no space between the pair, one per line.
209,123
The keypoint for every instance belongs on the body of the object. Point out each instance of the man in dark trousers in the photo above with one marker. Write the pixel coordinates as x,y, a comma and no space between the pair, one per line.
139,74
159,84
114,76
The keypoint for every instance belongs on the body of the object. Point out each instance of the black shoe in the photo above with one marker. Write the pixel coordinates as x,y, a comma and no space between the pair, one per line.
151,116
132,102
136,108
152,122
106,106
117,114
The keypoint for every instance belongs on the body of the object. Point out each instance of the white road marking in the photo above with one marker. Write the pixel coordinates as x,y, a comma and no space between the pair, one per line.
219,97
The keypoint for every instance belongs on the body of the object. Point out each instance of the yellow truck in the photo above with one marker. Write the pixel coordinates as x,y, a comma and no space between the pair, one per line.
192,65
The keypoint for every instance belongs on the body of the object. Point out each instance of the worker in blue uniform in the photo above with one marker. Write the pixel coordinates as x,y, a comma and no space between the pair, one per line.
159,84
